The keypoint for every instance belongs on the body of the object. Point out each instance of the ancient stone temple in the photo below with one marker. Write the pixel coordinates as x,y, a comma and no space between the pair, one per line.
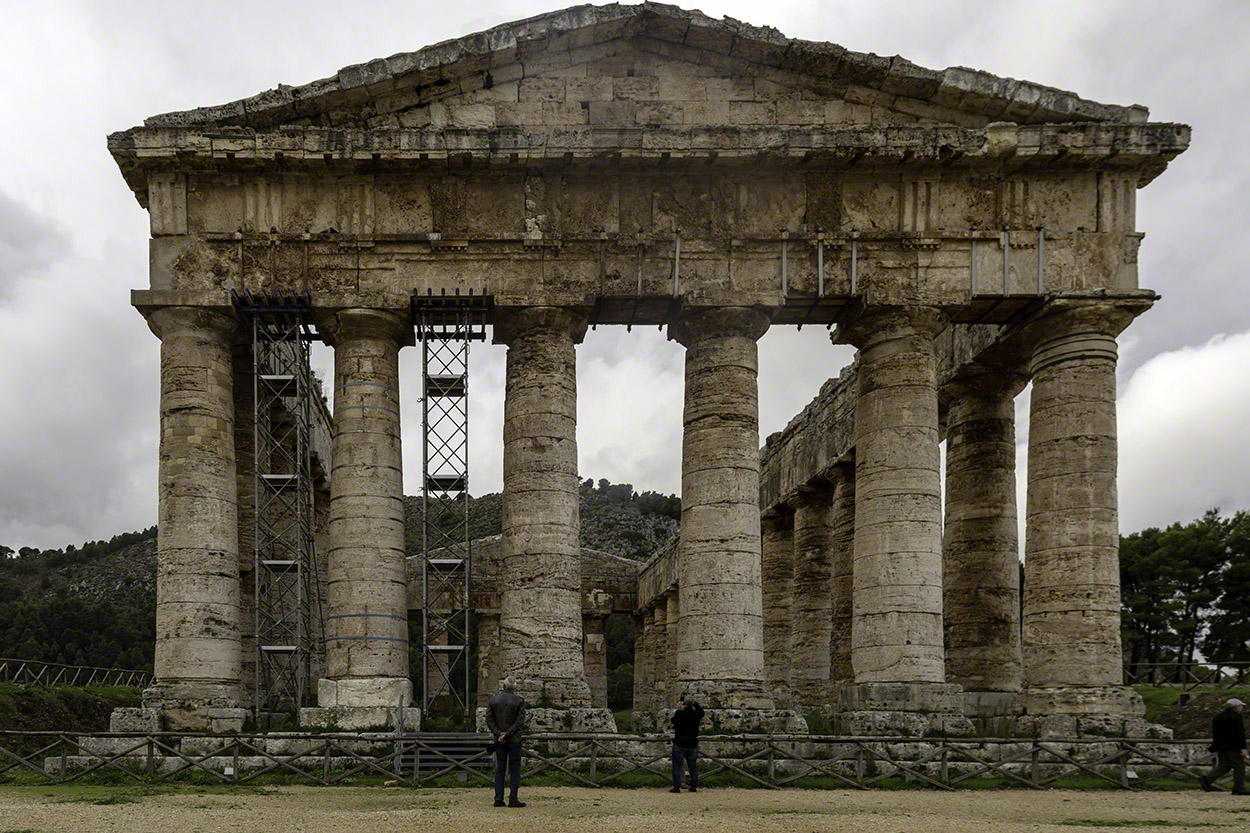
620,165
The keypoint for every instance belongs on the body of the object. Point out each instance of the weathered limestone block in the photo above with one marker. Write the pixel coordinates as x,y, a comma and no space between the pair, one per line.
540,618
720,657
842,556
777,572
198,648
367,615
981,562
1072,656
812,612
132,719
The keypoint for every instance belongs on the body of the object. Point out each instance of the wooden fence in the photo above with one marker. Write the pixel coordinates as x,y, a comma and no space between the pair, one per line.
32,672
1188,676
768,762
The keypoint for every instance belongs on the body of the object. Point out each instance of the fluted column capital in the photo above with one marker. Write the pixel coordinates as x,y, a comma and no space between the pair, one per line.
363,323
1079,328
869,327
201,322
697,323
512,323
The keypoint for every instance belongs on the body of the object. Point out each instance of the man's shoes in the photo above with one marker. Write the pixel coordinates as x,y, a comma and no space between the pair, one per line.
500,804
694,789
675,790
1206,783
515,803
1241,792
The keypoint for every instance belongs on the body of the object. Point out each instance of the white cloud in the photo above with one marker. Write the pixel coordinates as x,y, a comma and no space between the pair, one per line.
1184,425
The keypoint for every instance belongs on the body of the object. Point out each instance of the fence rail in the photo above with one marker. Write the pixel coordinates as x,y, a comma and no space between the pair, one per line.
769,762
1188,675
32,672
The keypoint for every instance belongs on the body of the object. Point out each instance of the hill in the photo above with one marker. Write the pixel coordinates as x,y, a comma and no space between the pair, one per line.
95,604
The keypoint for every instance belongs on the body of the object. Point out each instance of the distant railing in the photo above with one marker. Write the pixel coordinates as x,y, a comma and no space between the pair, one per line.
33,672
768,762
1189,675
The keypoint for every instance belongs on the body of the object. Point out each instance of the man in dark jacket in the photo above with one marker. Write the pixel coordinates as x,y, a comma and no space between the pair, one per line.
505,717
686,722
1228,742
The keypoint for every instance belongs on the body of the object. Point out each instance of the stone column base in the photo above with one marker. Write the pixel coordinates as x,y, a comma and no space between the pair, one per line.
358,718
548,720
993,703
1100,700
1095,711
904,709
195,707
725,722
729,695
362,703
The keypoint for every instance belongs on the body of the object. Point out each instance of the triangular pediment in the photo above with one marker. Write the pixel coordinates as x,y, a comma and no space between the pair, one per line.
645,65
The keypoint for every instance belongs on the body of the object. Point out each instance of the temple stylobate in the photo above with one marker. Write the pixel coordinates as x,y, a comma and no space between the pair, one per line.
620,165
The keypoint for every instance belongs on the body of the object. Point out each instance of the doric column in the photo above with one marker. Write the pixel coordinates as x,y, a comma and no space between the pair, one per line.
245,478
661,679
1072,659
595,658
981,559
672,623
777,572
812,614
842,547
198,648
720,656
644,681
366,611
540,618
896,636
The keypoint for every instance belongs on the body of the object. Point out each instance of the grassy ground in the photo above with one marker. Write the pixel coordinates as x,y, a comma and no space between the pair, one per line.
1192,717
557,809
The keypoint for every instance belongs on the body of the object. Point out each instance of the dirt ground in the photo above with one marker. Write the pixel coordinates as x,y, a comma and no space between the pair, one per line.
558,809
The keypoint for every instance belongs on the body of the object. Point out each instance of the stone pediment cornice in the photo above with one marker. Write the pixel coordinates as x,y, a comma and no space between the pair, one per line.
1001,146
452,66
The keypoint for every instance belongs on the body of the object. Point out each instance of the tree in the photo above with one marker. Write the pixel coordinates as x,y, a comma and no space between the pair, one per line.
1228,636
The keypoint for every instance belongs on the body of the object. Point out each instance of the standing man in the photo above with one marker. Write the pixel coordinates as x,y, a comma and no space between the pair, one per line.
686,722
505,717
1228,742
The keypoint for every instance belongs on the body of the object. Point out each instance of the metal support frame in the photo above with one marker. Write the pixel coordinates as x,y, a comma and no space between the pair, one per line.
445,327
289,619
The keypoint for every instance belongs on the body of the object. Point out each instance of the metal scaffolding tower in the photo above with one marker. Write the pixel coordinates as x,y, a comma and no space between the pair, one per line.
445,327
289,620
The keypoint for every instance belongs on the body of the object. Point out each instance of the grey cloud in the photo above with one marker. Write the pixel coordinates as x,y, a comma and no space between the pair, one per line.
29,242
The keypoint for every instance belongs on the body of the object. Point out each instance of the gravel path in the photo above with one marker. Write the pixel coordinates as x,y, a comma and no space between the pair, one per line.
558,809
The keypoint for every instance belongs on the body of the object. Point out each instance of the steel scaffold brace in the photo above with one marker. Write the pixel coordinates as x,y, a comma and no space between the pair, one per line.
288,614
445,327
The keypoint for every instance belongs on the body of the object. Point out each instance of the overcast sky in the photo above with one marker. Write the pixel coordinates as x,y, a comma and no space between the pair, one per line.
78,366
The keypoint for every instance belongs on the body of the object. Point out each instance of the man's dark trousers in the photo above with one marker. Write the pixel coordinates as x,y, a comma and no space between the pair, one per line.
508,756
1227,760
683,755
